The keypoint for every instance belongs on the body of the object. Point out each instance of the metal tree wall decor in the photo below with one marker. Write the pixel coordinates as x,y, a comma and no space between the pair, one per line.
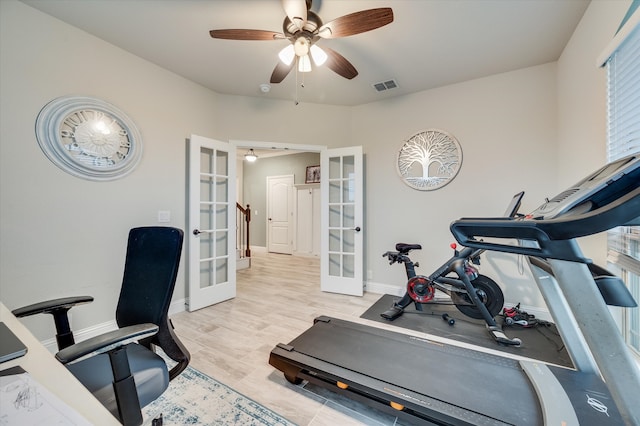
429,160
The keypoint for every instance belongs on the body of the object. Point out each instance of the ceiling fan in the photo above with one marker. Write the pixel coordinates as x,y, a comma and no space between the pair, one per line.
303,28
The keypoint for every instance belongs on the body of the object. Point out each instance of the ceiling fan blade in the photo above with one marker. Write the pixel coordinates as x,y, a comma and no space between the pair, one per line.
296,10
356,23
281,71
246,35
338,64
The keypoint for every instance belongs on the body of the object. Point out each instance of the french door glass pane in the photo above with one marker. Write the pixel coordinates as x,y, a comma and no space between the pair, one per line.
222,189
222,270
348,216
341,216
206,188
206,216
206,273
206,160
348,244
214,216
222,216
221,244
206,246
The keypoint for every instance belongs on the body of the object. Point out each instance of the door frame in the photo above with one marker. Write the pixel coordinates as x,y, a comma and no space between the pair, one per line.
321,149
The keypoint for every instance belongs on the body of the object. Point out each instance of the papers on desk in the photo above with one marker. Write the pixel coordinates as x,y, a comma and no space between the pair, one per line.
24,401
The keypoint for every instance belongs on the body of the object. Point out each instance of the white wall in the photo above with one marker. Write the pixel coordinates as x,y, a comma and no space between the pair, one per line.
506,125
61,235
66,236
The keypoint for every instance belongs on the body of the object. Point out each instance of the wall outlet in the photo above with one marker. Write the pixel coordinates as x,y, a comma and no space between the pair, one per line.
369,274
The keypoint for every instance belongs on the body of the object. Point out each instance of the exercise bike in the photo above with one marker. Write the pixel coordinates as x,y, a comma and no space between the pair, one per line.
475,295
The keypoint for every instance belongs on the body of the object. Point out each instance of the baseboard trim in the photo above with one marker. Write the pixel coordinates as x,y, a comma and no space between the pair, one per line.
305,254
83,334
177,306
381,288
98,329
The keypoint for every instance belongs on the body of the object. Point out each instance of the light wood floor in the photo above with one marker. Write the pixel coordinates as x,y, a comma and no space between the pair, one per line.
277,299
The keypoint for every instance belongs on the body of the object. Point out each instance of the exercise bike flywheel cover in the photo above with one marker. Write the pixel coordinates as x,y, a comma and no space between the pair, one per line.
421,289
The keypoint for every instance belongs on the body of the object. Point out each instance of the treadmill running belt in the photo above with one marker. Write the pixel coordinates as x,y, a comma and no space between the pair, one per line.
475,381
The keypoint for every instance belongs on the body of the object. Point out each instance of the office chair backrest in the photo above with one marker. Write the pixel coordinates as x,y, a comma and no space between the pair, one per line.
150,271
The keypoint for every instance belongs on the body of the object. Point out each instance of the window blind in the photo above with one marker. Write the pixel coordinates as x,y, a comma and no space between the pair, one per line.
623,73
623,138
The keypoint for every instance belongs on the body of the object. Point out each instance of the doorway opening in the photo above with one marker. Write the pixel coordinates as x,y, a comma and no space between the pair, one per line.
298,200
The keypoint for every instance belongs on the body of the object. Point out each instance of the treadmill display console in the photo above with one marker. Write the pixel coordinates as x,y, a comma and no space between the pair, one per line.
583,196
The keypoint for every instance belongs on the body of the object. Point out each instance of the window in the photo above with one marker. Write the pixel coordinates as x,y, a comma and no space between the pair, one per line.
623,82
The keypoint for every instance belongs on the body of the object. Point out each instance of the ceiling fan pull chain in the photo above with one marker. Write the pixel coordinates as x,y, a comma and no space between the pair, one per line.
297,63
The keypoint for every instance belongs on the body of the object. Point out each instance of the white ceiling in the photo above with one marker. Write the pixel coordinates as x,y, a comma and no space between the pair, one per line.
431,43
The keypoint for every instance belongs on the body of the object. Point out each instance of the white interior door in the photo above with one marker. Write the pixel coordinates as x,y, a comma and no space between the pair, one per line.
341,231
211,265
280,214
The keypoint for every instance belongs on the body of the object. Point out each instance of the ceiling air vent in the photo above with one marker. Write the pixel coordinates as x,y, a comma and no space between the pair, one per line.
385,85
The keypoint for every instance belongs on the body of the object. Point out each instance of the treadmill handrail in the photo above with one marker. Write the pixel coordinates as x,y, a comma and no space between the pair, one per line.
554,236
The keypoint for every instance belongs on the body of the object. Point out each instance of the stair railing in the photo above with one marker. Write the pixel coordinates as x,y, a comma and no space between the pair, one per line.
243,219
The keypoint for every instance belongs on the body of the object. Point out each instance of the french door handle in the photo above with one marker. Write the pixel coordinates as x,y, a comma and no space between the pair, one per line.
196,232
357,229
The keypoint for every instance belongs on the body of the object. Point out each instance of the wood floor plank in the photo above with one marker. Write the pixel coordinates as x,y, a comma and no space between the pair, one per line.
277,299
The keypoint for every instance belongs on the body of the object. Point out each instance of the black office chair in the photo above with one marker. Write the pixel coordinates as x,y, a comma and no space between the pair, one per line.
126,376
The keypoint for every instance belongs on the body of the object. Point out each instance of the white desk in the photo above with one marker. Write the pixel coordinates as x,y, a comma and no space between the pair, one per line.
44,368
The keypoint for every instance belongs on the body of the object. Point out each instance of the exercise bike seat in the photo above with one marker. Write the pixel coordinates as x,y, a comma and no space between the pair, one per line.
406,248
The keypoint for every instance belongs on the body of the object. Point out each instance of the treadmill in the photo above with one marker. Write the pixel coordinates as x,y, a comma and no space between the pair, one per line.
423,381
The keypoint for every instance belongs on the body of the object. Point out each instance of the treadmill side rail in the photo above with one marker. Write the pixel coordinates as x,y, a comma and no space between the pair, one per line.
556,405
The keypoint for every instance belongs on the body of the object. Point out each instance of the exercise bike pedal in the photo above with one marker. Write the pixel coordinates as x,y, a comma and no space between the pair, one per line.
392,313
502,338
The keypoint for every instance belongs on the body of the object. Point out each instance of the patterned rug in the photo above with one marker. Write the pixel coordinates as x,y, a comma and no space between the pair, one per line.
193,398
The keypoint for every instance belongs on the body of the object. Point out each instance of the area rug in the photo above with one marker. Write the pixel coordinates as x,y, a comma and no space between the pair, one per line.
193,398
541,343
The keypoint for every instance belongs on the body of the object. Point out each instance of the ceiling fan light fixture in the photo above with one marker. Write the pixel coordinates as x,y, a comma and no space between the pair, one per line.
287,54
250,156
319,56
304,64
301,46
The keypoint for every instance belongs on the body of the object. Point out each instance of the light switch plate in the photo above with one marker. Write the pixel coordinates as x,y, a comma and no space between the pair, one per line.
164,216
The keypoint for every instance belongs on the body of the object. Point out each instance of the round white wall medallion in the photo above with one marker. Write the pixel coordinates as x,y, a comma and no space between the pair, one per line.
429,160
88,138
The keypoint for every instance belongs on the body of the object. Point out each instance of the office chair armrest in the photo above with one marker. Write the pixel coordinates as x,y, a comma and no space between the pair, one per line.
106,342
49,306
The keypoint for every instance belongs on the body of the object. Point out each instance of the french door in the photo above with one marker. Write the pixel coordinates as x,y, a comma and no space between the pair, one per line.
211,270
341,221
